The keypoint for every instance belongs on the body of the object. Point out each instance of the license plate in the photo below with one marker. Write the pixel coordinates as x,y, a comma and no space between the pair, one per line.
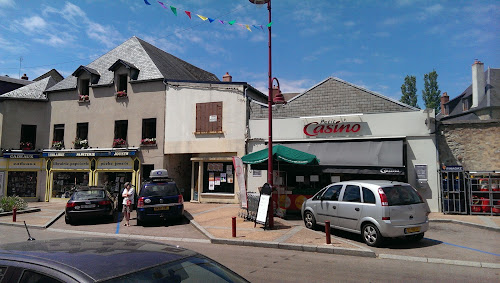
162,208
412,230
87,206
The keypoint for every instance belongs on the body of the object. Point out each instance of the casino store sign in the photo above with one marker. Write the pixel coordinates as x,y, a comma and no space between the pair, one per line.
338,126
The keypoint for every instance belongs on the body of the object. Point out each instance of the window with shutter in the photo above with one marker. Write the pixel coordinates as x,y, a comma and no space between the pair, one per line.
209,118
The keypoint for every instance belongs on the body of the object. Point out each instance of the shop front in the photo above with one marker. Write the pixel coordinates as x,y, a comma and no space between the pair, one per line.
68,170
388,146
213,179
21,175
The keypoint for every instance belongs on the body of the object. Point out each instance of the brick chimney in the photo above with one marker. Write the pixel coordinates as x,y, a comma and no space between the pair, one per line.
444,99
24,77
478,83
227,78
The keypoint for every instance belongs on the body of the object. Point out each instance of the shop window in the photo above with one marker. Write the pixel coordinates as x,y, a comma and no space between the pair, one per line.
209,118
351,194
22,183
121,127
28,137
218,177
148,131
65,183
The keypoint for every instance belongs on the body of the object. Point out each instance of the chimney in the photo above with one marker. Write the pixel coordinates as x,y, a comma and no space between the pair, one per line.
444,99
24,77
227,78
478,83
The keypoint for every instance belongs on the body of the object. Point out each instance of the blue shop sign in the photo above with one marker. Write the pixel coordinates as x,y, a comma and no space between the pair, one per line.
89,154
21,155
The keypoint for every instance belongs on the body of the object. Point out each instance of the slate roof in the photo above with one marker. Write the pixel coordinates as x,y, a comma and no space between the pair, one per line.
491,99
15,81
52,73
152,63
34,91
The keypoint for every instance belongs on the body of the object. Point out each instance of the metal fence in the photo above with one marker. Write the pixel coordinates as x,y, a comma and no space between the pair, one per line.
253,205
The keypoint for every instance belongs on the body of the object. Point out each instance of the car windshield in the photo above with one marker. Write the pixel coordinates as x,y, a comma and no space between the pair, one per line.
401,195
161,190
191,269
90,194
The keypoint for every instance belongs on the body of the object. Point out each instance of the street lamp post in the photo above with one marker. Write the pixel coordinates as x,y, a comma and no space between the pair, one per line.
279,100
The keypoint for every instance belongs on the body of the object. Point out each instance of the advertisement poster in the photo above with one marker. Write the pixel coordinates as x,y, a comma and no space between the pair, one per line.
230,178
211,181
223,177
217,180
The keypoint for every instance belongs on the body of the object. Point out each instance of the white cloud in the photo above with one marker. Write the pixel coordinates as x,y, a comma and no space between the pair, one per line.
12,46
434,9
107,35
382,34
349,23
56,40
7,3
34,23
353,60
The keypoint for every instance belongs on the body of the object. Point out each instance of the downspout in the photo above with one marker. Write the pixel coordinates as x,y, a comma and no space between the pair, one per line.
164,125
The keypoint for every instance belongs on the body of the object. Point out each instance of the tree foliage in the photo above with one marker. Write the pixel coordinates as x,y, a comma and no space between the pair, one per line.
431,93
409,91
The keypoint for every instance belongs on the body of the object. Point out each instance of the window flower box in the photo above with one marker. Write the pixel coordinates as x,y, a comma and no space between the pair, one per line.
121,94
57,144
83,98
119,143
81,143
26,146
148,141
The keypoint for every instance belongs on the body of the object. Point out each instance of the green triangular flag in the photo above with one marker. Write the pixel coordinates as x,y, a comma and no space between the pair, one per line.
269,24
174,10
231,22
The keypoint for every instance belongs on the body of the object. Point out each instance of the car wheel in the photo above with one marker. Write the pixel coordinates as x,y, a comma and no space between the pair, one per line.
371,235
415,238
67,220
309,220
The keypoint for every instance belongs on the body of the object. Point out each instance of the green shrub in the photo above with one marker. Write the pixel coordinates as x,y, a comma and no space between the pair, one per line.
8,203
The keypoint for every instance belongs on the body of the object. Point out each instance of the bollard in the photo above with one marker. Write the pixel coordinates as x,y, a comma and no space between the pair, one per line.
327,231
234,227
14,212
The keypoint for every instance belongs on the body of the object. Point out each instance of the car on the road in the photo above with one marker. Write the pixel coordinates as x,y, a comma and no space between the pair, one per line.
375,209
107,260
89,202
159,199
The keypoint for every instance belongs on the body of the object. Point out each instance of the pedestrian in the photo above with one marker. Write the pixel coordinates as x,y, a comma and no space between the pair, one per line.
128,201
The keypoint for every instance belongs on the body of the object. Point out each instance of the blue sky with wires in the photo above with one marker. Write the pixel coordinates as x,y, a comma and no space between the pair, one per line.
373,44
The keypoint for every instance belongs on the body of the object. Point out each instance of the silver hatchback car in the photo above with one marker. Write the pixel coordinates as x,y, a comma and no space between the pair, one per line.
375,209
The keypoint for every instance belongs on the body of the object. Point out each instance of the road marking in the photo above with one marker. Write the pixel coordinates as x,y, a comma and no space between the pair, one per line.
463,247
118,223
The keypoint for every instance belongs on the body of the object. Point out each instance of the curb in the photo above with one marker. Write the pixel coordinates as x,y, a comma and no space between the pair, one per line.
480,226
442,261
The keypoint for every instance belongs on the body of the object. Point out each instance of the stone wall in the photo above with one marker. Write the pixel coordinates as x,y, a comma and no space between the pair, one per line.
473,145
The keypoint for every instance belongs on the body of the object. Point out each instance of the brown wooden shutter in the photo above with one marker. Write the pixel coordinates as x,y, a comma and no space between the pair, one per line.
203,113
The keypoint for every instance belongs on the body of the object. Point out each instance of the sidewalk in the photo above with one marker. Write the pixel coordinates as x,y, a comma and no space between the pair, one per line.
215,222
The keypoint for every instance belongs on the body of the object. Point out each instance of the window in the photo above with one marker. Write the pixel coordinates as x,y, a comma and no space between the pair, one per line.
332,193
446,109
148,131
467,103
32,276
368,196
146,170
84,87
122,83
82,131
351,194
28,136
121,127
209,118
58,133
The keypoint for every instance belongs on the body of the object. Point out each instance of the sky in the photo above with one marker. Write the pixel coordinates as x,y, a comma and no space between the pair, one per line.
374,44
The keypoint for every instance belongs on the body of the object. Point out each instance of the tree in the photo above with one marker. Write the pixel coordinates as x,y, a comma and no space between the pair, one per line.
431,93
409,91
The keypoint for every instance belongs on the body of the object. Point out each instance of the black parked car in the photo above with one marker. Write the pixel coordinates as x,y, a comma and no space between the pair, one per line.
89,202
159,199
107,260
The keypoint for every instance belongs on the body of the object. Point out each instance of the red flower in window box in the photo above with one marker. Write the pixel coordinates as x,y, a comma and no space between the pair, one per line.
26,146
121,93
147,141
82,98
119,142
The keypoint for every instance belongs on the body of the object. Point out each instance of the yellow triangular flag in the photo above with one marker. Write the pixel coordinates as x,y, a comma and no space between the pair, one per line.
248,28
203,18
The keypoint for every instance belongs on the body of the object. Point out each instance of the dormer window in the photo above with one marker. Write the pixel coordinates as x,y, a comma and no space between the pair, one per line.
467,103
84,87
86,77
122,82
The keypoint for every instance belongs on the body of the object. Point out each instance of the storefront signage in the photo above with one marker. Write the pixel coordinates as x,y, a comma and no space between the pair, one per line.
25,164
21,155
89,154
390,171
452,168
71,163
115,163
338,126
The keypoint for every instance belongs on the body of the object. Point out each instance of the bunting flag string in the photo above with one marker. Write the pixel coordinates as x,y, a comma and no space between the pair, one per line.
188,13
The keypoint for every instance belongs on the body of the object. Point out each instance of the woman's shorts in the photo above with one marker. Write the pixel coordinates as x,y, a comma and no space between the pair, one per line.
127,208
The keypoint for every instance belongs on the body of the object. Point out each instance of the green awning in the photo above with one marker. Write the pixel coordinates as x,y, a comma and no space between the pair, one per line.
281,153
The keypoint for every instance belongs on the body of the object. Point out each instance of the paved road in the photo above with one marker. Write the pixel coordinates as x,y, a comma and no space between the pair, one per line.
274,265
443,240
